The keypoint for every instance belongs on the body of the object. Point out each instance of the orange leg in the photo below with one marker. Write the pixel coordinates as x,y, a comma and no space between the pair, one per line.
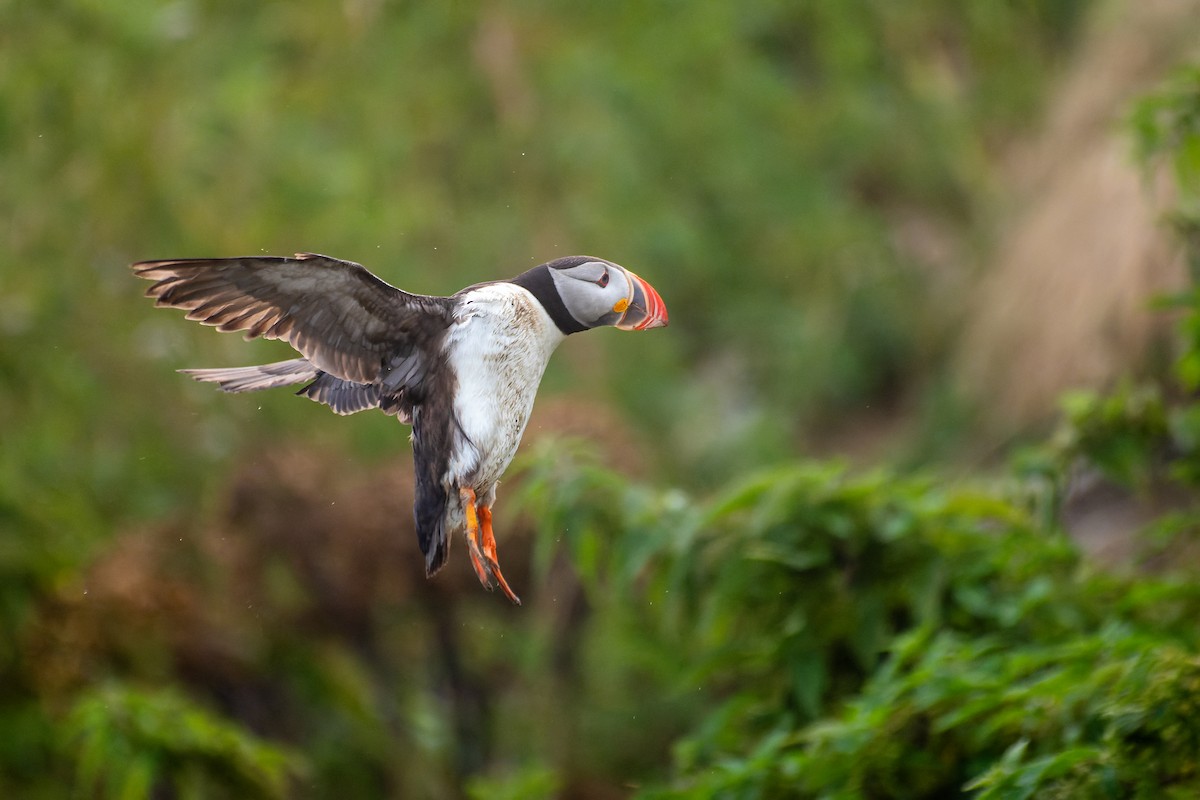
489,551
477,555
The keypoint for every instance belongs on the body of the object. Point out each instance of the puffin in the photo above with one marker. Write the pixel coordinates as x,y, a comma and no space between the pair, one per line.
462,370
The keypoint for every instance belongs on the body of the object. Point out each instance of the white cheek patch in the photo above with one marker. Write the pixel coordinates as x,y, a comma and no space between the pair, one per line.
589,302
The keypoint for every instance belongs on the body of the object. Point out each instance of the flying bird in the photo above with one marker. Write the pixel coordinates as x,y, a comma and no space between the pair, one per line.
461,370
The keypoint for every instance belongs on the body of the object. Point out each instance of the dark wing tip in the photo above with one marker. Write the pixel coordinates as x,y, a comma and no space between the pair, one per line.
140,267
145,269
146,266
331,259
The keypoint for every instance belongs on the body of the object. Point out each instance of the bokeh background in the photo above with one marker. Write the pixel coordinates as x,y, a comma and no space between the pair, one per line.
891,236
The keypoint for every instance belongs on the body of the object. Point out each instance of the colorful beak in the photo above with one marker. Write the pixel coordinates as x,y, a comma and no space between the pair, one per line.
646,308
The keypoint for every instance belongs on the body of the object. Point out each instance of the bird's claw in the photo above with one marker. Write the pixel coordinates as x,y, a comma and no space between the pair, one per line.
479,562
488,571
494,569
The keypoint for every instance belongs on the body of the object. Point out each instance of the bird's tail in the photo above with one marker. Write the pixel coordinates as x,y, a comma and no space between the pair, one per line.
263,376
431,506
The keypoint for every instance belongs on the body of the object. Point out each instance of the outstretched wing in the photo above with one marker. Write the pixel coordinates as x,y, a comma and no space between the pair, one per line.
340,317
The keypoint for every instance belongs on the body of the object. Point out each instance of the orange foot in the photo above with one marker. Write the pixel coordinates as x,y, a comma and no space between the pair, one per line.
483,553
489,551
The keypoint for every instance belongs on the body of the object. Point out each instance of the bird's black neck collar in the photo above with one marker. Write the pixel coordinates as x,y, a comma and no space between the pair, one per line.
540,283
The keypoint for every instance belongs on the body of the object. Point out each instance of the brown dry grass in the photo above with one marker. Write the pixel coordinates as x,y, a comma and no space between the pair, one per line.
1064,301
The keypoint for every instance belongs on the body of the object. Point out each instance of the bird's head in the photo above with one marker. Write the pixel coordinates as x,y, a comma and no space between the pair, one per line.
582,292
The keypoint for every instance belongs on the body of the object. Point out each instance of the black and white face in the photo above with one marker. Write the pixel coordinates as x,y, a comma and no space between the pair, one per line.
598,292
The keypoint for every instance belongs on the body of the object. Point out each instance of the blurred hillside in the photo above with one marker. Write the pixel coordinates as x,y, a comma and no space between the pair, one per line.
886,233
1063,299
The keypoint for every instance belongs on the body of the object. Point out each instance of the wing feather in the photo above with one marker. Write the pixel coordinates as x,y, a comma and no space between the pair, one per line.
340,317
262,376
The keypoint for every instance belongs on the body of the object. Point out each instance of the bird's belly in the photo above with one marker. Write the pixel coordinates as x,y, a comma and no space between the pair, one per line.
498,376
492,425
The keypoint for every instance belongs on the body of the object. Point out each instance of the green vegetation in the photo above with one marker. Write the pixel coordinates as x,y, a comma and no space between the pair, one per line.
128,742
877,637
208,596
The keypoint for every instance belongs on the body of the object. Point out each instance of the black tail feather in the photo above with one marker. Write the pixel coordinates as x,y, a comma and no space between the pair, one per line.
432,500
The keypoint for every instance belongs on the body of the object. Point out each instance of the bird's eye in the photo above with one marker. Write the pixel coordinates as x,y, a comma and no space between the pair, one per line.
603,280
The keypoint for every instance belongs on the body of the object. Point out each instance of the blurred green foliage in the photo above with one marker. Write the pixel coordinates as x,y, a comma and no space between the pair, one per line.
1166,128
798,630
881,637
983,656
126,742
753,160
878,637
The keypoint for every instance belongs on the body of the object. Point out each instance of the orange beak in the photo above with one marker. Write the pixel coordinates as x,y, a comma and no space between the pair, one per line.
646,309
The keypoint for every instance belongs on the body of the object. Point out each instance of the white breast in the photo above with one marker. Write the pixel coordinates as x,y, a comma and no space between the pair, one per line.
498,348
